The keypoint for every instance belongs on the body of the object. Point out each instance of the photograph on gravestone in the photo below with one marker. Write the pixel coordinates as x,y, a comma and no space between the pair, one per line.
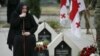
44,35
62,50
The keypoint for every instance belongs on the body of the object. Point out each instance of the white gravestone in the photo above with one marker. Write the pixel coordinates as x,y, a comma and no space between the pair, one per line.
73,42
36,19
46,26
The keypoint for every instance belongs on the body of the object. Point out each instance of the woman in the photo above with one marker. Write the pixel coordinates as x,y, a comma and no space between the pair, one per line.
24,26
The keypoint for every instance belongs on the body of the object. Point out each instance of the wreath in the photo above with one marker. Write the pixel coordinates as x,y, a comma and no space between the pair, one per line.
87,51
40,46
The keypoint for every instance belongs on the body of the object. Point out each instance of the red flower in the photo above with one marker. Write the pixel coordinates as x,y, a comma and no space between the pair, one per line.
45,46
40,49
87,51
82,53
37,49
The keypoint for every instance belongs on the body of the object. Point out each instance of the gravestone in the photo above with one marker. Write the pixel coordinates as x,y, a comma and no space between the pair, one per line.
73,44
63,49
36,19
45,31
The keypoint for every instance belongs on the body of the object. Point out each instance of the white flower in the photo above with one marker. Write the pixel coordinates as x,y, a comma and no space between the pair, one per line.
92,54
39,43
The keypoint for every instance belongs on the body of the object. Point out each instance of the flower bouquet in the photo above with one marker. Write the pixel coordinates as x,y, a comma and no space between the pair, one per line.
87,51
41,48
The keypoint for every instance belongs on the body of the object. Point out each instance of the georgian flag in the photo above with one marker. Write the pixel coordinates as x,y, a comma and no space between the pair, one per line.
63,12
76,7
81,5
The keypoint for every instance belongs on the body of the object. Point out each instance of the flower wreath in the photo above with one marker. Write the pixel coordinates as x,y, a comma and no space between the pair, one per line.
87,51
40,46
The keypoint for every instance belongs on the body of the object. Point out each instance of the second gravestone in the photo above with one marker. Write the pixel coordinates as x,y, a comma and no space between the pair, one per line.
45,32
62,49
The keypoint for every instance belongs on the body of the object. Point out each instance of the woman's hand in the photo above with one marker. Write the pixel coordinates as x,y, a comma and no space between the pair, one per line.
22,15
25,33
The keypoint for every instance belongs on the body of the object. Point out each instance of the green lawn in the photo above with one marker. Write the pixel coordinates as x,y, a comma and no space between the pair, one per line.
50,9
3,24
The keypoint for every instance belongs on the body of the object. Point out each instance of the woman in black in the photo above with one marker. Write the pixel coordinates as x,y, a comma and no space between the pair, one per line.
23,26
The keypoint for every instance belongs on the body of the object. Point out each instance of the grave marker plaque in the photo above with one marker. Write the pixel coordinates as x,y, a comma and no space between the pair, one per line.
44,35
62,50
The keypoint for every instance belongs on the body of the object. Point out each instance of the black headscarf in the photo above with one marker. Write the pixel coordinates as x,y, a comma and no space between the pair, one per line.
20,6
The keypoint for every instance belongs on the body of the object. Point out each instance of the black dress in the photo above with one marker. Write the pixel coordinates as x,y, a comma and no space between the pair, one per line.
17,41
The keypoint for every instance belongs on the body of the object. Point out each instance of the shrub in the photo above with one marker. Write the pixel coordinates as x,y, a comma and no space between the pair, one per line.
34,6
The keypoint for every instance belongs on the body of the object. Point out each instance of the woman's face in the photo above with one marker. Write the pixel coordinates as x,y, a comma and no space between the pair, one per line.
24,9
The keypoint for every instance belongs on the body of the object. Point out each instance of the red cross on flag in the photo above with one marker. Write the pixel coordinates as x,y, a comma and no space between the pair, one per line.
63,12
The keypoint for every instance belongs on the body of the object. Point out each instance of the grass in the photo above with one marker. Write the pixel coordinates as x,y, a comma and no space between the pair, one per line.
54,24
50,9
3,24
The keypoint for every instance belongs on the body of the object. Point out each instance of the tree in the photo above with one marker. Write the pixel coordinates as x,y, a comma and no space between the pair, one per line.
34,6
58,1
